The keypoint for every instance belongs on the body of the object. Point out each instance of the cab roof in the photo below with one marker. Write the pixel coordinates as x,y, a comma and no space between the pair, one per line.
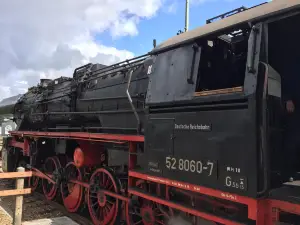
250,15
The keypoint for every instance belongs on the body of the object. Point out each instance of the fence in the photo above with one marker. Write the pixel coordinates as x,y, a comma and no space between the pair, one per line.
18,192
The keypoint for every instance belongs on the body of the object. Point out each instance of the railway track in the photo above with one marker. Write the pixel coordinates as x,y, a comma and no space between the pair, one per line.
35,206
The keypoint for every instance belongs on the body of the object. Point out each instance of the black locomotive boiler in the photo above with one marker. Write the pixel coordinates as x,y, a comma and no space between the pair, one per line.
98,98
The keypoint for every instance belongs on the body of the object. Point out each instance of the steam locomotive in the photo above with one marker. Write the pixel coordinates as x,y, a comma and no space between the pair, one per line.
192,130
98,97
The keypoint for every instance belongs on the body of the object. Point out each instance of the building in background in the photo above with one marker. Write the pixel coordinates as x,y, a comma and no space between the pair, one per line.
6,123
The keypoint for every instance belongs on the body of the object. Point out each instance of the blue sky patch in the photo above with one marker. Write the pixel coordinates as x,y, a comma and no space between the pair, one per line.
168,21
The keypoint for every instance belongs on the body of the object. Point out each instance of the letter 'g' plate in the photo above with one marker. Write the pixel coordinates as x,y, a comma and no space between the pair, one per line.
235,182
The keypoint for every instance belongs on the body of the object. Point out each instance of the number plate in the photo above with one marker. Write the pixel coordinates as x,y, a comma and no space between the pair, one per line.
154,167
203,167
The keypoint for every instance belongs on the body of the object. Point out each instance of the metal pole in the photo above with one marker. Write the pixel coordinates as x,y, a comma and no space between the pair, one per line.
19,199
187,12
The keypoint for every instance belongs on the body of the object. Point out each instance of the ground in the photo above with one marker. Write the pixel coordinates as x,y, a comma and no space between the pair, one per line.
5,219
33,208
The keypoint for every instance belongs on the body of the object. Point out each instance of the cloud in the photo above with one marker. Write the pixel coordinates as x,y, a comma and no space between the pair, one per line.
172,7
42,39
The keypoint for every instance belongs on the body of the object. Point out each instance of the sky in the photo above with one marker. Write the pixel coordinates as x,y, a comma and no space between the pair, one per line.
49,39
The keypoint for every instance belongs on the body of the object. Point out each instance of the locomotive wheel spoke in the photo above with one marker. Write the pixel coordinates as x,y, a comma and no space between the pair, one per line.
33,182
50,189
72,194
30,182
145,212
104,209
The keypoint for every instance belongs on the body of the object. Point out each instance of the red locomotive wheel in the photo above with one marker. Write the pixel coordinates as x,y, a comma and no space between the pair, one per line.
63,160
145,212
72,194
50,189
33,182
104,209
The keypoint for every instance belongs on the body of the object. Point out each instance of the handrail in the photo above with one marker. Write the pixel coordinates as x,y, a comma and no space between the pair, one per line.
131,104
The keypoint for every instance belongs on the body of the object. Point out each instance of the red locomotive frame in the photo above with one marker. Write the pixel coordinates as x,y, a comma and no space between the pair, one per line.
263,211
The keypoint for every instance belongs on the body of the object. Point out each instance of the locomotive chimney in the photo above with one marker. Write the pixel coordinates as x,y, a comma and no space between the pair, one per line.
154,43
